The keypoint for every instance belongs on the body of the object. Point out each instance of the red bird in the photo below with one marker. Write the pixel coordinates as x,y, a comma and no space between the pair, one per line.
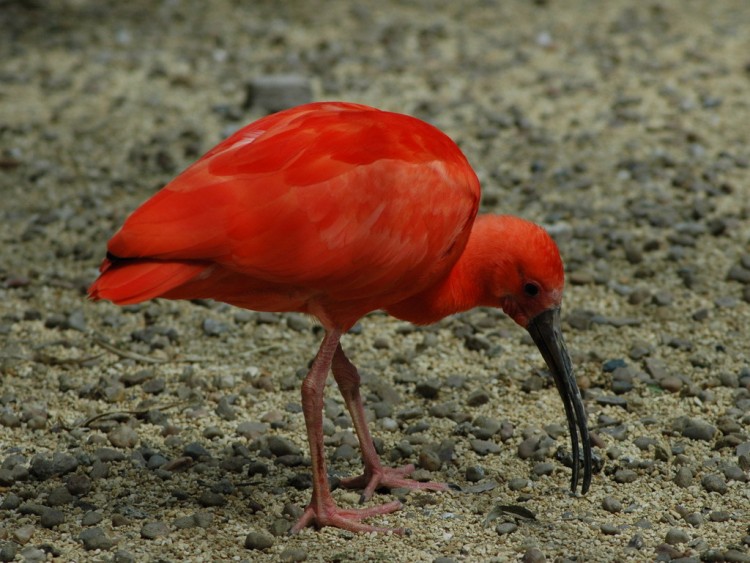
335,210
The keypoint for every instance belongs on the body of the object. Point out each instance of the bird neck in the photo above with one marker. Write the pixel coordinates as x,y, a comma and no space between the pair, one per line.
466,286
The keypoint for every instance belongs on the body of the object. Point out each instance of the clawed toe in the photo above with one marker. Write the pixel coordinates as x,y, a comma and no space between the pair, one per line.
346,518
388,478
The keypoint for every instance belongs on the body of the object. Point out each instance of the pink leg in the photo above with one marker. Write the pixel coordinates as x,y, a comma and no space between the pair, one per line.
375,475
322,510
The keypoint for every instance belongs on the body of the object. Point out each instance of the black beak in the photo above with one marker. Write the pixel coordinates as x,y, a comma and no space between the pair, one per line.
546,333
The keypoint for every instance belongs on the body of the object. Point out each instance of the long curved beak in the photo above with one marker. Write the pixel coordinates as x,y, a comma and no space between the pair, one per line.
546,333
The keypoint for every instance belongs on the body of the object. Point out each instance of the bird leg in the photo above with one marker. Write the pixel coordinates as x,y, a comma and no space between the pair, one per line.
322,510
375,475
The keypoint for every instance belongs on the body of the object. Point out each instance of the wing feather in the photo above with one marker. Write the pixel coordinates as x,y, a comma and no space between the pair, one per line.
316,196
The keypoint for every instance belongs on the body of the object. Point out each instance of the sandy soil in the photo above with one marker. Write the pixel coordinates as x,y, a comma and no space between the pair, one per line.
620,126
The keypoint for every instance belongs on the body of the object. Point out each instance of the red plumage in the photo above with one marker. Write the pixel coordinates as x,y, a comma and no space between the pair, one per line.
336,210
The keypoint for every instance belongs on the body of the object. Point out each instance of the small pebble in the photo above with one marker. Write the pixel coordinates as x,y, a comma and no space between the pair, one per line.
43,468
518,483
428,389
292,555
91,518
484,447
612,365
611,504
209,498
95,538
183,522
699,430
154,386
11,501
477,398
213,327
533,555
196,451
59,496
713,483
8,551
153,530
676,536
23,534
281,446
671,384
544,468
612,401
123,436
609,529
203,519
485,427
474,473
258,541
275,92
528,447
625,476
122,556
684,477
78,484
33,554
136,378
51,517
636,542
719,516
734,473
506,528
280,527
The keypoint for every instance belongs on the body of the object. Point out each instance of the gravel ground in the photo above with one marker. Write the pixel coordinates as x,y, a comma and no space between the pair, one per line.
172,431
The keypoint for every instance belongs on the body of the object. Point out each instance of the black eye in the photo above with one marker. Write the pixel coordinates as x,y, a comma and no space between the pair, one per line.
531,289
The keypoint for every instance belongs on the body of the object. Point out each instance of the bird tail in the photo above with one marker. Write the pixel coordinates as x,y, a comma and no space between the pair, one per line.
132,280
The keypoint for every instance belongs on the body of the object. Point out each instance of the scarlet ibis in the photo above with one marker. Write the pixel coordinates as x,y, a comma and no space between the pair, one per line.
336,210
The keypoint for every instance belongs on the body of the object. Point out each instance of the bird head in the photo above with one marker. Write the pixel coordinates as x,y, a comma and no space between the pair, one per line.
525,277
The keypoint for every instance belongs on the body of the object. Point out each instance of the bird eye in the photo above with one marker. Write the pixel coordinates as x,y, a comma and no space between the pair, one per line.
531,289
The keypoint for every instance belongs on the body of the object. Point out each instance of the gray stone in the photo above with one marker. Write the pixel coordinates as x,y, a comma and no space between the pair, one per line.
714,484
209,498
78,484
534,555
8,551
52,517
123,436
611,504
484,447
153,530
95,538
474,473
506,528
92,518
676,536
280,446
625,476
684,477
699,430
258,541
43,467
292,555
203,519
277,92
59,496
122,556
212,327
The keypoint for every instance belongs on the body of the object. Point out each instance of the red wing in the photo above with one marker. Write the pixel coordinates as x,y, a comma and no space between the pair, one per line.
312,195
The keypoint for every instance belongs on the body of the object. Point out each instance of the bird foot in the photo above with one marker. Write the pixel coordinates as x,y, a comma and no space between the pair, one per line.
346,519
388,478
